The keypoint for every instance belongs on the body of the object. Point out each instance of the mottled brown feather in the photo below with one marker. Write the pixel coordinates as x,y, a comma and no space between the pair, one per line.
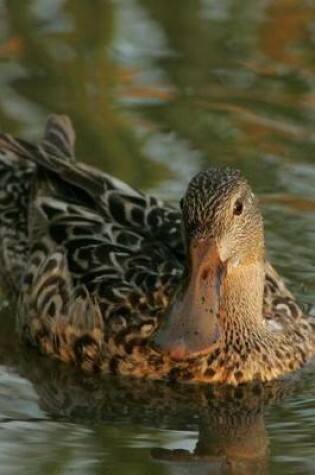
95,264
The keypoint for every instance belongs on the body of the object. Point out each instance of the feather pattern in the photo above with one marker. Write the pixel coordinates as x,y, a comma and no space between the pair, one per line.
95,263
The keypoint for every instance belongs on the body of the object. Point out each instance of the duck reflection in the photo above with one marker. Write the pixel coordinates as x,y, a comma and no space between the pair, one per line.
227,443
230,422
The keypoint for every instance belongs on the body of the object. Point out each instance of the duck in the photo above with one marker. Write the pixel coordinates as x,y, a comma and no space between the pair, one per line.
116,281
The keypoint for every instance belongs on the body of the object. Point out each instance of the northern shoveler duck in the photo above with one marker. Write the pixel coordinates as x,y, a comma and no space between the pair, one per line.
117,281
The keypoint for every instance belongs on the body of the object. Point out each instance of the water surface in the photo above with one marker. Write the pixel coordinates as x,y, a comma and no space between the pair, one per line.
158,90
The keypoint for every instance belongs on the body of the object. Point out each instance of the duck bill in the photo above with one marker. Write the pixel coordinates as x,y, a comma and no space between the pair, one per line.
191,328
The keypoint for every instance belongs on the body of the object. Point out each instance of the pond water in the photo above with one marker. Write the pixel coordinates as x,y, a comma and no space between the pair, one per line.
158,90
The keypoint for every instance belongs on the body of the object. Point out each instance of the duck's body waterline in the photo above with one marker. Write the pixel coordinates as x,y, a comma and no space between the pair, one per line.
102,279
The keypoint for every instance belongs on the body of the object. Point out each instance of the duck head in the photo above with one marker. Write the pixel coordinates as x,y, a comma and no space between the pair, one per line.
223,232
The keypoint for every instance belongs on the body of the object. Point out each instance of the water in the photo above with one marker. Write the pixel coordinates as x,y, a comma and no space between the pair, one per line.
157,91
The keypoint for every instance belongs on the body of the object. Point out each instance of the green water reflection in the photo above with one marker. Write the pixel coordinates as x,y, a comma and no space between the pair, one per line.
158,90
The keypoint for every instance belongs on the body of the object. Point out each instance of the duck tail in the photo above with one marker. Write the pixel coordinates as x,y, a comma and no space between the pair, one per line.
58,141
59,137
17,178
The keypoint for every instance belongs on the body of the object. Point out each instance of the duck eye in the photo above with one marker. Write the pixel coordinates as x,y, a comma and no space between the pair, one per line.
237,208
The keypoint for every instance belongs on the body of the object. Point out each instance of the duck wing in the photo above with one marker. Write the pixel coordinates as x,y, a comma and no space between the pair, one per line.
125,247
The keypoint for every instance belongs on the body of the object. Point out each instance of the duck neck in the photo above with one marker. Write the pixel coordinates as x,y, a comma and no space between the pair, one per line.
241,307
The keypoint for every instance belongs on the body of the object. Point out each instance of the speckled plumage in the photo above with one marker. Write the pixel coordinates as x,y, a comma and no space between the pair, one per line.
95,266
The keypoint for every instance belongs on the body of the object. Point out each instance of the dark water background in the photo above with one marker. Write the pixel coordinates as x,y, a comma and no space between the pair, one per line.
158,90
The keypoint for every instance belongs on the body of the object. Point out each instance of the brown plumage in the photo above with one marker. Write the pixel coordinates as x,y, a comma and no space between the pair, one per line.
117,281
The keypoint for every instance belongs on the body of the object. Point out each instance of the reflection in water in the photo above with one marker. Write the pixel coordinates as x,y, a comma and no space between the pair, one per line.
156,92
230,421
232,443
